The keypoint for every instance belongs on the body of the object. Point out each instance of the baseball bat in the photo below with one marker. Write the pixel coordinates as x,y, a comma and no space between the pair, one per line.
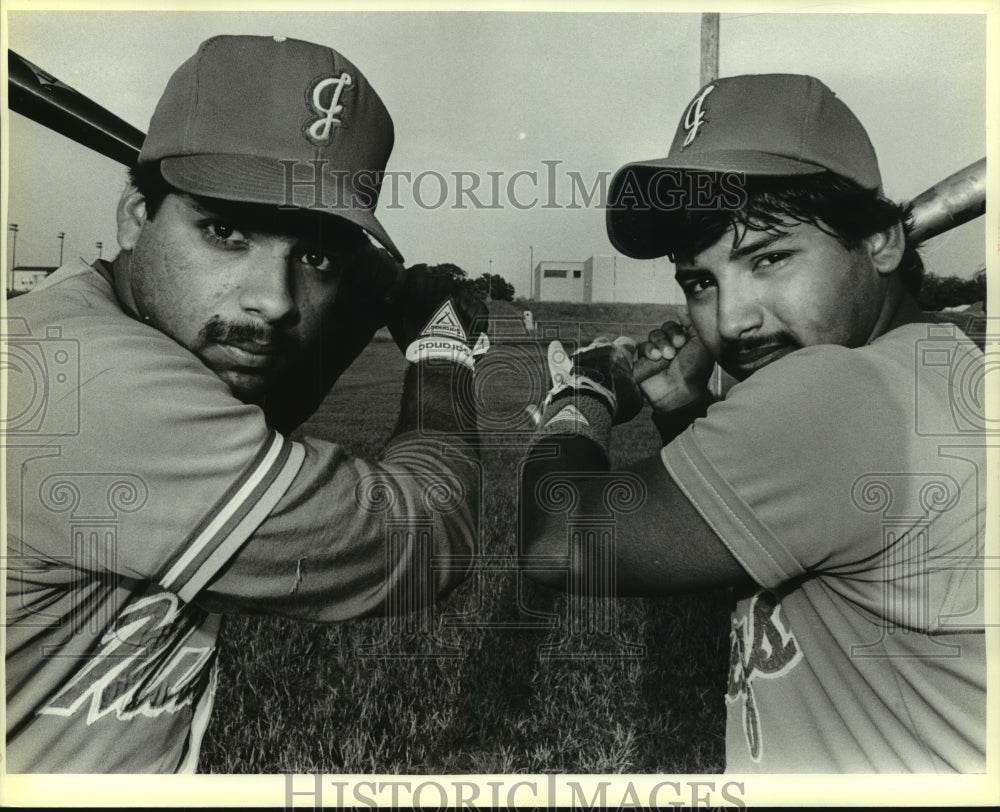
41,97
958,198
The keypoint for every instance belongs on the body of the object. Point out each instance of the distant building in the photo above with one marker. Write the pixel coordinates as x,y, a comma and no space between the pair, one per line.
604,278
24,277
561,282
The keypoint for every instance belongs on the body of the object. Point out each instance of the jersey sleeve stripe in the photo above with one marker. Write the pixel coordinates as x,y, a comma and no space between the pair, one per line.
750,541
256,484
198,576
227,504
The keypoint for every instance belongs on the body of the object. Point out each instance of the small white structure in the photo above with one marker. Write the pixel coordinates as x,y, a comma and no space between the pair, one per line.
560,281
25,277
606,278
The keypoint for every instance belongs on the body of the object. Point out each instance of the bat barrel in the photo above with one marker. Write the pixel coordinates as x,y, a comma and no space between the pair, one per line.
955,200
44,99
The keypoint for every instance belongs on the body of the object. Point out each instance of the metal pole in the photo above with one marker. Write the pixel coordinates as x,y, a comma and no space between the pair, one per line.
531,271
13,255
62,242
709,48
100,246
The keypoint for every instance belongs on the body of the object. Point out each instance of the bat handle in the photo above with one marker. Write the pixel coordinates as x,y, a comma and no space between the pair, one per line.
644,368
396,287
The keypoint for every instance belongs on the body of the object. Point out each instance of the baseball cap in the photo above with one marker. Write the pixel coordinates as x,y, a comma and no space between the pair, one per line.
762,124
274,120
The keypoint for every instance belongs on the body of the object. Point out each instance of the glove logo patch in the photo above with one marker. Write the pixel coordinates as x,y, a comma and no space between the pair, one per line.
445,322
569,414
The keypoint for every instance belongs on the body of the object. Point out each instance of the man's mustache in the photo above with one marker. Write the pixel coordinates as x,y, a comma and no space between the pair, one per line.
219,331
733,353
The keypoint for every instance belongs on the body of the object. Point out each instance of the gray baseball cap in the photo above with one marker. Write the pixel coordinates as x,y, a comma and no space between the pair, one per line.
277,121
774,124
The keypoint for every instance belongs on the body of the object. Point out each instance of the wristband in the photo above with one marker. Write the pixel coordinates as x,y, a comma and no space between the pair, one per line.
579,383
444,348
578,413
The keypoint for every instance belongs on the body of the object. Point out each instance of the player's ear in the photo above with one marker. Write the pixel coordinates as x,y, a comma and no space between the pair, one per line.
886,248
131,217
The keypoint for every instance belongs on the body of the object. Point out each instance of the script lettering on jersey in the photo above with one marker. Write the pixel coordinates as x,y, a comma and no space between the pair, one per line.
145,664
761,647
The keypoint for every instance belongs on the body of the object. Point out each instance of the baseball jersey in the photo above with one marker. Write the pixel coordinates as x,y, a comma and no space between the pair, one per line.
143,500
849,483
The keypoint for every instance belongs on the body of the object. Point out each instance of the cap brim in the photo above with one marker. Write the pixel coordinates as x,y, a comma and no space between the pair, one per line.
252,179
635,226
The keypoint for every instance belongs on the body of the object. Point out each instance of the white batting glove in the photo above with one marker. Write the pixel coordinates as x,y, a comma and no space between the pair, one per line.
603,368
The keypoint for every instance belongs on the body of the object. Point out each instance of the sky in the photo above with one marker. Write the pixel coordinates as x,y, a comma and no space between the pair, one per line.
562,95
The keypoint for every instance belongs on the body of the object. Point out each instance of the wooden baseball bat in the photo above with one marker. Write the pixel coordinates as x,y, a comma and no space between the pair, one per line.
958,198
41,97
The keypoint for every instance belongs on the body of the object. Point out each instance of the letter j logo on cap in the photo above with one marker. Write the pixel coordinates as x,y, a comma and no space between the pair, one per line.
695,116
319,129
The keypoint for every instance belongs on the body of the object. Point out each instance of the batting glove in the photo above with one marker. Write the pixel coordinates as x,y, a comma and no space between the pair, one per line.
604,369
435,314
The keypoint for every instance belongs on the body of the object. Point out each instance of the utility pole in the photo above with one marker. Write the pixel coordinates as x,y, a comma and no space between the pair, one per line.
13,254
100,246
62,241
709,48
531,271
709,73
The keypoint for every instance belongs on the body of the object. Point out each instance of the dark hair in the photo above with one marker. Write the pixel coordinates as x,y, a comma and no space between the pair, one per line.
146,178
838,206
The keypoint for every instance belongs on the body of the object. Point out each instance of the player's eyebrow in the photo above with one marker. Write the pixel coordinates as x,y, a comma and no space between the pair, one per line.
767,240
260,217
203,207
231,209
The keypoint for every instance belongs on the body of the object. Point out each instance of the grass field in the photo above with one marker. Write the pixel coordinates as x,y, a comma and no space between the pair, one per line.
477,693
